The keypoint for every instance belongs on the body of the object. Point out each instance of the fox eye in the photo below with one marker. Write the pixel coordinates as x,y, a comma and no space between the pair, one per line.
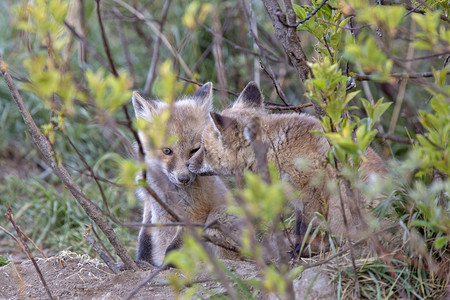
194,150
167,151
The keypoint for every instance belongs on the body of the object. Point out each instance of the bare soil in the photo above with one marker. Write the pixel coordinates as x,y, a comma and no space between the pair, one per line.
73,276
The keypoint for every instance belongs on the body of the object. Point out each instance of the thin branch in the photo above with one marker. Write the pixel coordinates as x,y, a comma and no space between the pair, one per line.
256,42
215,89
217,271
152,26
124,41
13,237
105,41
44,145
360,77
91,171
33,243
155,196
347,228
402,88
394,138
102,244
443,17
218,57
289,107
152,70
415,7
171,224
421,57
340,27
10,217
346,249
315,11
271,57
88,47
145,281
108,261
275,82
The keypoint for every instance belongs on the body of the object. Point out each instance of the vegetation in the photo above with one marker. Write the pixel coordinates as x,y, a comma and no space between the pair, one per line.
376,72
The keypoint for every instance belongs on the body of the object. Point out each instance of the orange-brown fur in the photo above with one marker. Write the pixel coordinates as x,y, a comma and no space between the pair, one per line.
225,150
192,198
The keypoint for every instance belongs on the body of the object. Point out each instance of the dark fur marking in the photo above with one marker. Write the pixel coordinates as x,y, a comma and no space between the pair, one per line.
204,91
252,95
145,248
222,122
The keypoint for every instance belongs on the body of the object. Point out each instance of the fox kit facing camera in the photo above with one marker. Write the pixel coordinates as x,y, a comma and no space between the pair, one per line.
226,150
197,199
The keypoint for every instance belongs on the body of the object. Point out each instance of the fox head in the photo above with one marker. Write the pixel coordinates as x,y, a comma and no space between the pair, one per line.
225,146
188,117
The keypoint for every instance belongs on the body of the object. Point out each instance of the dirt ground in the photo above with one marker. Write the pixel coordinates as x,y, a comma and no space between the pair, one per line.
73,276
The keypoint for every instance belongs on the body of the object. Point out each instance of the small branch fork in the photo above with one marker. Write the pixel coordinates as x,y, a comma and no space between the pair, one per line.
45,147
109,262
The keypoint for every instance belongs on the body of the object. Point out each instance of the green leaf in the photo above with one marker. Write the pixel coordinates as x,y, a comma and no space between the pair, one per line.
299,11
379,109
440,242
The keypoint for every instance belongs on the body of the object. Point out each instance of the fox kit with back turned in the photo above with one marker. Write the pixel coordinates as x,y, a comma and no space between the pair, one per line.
225,150
197,199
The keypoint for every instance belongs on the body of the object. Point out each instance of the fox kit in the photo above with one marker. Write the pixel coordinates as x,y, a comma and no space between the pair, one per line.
197,199
226,149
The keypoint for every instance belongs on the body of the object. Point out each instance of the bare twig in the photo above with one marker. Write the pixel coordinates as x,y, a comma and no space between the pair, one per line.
289,107
275,82
402,88
347,248
360,77
394,138
88,47
351,28
48,154
217,271
221,243
102,244
200,84
310,15
443,17
347,228
13,237
33,243
145,281
218,57
108,261
155,196
156,47
10,217
105,41
91,171
414,8
270,57
268,70
137,27
153,27
124,41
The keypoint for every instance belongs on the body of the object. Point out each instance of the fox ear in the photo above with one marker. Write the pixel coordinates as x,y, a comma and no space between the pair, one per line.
251,96
203,96
143,107
220,122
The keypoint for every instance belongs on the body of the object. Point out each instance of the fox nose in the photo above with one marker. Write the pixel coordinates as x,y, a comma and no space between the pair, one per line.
184,179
